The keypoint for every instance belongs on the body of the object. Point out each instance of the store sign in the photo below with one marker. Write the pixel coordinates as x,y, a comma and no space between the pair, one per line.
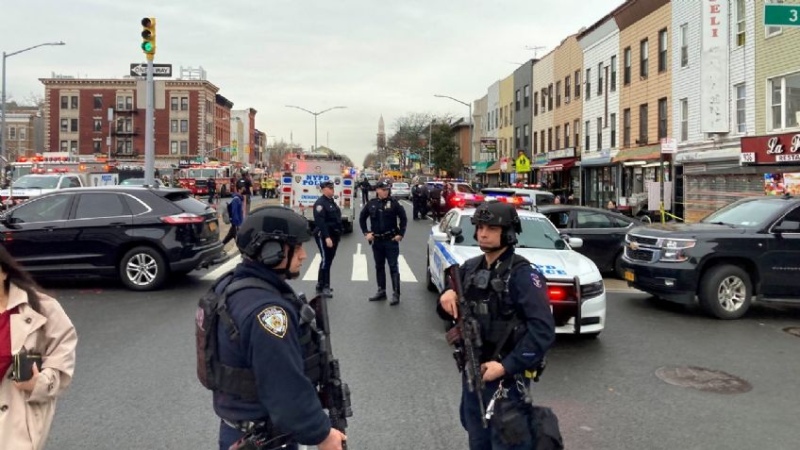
669,145
563,153
775,149
488,145
714,67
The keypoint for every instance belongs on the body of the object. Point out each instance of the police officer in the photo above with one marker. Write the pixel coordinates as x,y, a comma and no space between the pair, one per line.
387,227
328,220
365,187
273,340
516,327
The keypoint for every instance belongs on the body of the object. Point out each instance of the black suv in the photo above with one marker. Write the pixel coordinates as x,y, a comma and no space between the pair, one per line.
748,248
138,234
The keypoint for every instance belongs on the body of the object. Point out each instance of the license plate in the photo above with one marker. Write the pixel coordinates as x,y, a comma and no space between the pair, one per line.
212,226
629,275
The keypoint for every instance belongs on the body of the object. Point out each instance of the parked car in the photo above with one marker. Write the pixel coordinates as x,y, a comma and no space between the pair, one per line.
140,182
748,249
401,189
35,184
575,286
139,235
602,231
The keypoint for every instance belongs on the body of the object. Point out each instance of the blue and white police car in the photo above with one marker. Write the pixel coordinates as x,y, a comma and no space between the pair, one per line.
574,284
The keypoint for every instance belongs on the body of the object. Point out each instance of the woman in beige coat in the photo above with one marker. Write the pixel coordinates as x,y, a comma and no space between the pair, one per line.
36,323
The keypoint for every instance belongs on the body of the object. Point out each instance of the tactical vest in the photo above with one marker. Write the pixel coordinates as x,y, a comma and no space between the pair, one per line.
239,381
500,321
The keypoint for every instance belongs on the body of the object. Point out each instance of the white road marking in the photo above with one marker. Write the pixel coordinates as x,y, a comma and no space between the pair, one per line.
313,269
405,270
226,266
360,266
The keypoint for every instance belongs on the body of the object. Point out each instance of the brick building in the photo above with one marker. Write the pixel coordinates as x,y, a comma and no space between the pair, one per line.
106,116
23,130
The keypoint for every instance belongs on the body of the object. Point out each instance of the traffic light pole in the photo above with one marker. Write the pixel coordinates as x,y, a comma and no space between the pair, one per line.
149,131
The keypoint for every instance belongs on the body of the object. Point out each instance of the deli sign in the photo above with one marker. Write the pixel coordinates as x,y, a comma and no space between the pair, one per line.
777,149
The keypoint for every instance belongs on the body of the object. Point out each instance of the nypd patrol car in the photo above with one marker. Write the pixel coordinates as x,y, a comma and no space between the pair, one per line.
574,284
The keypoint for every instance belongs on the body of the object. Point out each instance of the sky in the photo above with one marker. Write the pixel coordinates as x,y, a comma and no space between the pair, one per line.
375,57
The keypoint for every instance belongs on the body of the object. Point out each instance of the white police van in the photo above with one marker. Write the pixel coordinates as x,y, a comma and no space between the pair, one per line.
574,284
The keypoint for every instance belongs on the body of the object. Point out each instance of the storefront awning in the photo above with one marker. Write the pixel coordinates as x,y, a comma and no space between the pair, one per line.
494,169
594,162
481,166
646,153
557,165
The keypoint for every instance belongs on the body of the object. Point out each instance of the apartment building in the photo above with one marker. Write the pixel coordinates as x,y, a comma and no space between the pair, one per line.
712,86
561,173
23,131
106,116
543,103
601,178
644,96
505,129
489,141
523,111
243,147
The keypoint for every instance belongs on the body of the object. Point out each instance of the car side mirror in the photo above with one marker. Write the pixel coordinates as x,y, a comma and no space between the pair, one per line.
575,242
787,226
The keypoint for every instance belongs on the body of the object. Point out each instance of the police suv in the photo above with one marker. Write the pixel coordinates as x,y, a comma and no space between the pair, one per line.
574,284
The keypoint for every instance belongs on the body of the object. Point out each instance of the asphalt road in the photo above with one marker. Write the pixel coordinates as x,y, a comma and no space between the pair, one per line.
135,385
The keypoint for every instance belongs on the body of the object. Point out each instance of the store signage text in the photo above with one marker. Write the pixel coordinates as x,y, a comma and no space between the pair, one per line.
775,149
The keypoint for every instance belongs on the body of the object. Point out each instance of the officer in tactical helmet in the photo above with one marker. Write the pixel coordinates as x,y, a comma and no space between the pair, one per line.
516,327
265,336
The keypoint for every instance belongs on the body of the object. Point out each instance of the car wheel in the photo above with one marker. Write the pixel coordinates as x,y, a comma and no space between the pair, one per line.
618,270
726,292
428,279
143,269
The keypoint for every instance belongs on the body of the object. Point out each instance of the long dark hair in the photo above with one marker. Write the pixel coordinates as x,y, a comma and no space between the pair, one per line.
20,277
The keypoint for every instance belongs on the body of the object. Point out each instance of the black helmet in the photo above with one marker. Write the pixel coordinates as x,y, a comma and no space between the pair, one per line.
263,234
240,183
501,215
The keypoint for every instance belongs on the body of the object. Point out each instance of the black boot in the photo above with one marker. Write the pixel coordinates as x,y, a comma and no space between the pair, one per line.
380,295
395,289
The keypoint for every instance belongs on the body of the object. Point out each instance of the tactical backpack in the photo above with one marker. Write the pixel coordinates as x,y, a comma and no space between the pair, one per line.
212,307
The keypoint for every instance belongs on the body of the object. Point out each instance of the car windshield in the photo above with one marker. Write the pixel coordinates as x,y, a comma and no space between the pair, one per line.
747,214
400,185
37,182
537,232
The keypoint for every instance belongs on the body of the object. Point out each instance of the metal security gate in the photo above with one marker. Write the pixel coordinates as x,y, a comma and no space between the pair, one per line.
709,187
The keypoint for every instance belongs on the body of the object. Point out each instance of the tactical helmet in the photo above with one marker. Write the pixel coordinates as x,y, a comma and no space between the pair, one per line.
498,214
263,234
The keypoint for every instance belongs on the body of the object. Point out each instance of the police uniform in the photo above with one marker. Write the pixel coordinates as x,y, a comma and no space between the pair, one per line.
328,220
517,329
387,220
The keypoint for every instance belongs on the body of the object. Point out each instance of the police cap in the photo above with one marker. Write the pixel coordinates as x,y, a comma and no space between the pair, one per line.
326,184
382,185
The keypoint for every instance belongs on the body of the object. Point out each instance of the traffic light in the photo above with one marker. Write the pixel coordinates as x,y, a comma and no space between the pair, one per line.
149,36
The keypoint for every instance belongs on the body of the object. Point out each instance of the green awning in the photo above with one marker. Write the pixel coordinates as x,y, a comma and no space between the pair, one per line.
481,166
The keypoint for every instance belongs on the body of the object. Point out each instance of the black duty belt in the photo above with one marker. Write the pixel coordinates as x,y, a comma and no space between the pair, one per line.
384,236
245,426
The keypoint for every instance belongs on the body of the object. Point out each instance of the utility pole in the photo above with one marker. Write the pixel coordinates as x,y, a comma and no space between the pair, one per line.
149,49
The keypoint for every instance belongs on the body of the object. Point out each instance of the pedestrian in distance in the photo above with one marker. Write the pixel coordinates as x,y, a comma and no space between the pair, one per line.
387,227
365,187
264,186
328,221
37,337
235,211
436,200
265,388
211,185
508,299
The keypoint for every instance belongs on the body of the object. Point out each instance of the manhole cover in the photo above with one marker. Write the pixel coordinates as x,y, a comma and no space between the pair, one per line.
703,379
794,331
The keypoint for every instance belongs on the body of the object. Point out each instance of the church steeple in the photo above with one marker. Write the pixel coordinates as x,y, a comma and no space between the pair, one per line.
381,134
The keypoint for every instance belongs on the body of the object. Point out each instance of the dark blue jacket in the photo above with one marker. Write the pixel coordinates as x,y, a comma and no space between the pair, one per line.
237,212
528,294
385,216
327,217
285,394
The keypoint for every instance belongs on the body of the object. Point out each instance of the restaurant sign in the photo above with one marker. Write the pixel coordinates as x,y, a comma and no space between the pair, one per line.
778,149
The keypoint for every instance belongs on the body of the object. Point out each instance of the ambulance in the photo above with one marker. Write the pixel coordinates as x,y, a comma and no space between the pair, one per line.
299,188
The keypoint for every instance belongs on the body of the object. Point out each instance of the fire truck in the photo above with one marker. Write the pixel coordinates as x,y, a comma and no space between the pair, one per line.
299,188
195,177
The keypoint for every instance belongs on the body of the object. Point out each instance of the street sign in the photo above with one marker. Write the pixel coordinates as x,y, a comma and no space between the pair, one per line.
776,14
159,70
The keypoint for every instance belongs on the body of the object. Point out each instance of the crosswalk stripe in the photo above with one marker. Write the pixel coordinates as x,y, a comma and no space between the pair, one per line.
360,267
313,269
405,270
226,266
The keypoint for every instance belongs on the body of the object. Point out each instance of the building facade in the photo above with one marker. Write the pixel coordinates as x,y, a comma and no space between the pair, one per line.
106,116
543,85
243,150
24,131
601,178
523,111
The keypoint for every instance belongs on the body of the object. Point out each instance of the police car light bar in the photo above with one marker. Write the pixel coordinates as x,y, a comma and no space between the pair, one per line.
518,202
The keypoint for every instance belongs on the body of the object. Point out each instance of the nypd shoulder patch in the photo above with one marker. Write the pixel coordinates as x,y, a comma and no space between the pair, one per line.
535,279
274,320
319,208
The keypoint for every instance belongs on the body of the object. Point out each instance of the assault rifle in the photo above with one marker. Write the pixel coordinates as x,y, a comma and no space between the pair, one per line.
333,393
468,349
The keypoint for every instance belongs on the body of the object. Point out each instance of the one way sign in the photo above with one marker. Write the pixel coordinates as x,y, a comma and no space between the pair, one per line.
159,70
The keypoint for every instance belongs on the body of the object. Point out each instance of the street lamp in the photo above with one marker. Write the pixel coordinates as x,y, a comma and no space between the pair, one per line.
315,114
3,98
471,126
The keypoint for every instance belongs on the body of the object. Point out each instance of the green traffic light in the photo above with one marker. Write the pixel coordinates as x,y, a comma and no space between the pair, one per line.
147,47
